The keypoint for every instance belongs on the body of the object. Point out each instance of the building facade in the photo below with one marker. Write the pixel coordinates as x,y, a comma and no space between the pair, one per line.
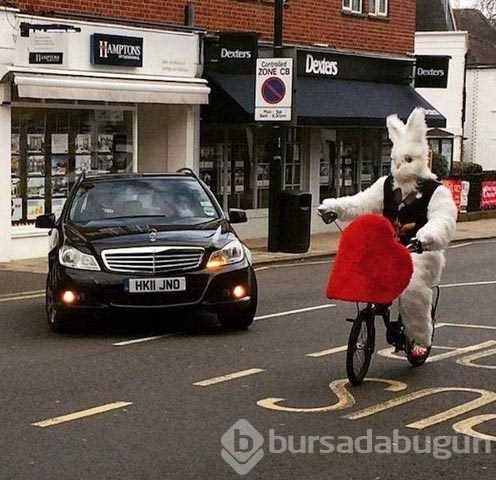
123,86
480,123
436,38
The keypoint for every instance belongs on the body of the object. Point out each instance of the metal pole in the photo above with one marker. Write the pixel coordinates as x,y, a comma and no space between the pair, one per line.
278,140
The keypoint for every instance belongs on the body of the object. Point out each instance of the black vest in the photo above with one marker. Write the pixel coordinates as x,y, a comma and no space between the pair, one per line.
410,210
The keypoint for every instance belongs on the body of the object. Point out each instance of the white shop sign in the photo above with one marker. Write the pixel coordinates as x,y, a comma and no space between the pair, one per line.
164,54
274,89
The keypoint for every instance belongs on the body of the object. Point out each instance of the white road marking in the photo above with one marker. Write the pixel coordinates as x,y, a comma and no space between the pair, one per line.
330,351
294,312
226,378
142,340
468,284
262,317
469,359
11,297
290,265
460,245
81,414
468,325
389,352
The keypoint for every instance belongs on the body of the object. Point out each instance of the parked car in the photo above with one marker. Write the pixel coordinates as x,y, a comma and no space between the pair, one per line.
154,242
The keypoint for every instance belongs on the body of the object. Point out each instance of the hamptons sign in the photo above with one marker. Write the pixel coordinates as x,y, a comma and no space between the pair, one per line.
116,50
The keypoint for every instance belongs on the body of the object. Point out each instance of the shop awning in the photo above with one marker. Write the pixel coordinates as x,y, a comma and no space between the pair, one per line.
65,87
338,102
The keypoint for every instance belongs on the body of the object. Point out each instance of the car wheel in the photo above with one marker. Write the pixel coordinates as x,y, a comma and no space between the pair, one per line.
57,320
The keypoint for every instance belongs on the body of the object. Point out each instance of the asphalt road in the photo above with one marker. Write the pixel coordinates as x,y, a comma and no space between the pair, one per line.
175,409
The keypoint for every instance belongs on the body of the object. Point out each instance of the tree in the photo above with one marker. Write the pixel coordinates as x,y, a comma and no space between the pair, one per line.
488,8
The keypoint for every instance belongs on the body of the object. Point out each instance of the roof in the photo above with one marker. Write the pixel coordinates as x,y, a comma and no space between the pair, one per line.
120,176
434,16
482,36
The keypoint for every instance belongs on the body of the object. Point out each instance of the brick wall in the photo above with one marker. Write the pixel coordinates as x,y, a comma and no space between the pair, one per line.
306,21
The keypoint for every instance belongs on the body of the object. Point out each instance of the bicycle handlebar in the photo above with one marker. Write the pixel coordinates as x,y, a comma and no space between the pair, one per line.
415,246
328,217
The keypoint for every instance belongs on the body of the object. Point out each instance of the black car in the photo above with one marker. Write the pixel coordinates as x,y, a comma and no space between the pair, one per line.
136,241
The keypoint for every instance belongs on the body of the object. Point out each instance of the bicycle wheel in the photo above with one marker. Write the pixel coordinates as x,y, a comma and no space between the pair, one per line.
361,344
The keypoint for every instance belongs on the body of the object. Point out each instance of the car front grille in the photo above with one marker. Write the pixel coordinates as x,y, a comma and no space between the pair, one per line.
152,259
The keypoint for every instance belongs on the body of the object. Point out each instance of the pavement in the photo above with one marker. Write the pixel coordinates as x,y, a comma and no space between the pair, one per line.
322,245
143,399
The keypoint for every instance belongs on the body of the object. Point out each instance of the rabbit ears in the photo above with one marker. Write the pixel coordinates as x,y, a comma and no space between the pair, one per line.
415,128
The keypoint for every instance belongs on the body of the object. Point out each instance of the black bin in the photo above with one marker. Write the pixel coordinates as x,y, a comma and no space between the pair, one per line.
295,221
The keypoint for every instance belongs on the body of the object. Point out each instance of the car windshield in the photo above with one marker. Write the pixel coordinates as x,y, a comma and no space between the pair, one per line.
174,200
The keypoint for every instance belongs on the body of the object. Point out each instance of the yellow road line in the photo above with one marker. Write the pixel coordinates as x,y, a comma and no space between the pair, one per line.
226,378
81,414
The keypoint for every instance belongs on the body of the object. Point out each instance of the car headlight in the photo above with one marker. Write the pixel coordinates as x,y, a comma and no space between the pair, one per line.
233,252
73,258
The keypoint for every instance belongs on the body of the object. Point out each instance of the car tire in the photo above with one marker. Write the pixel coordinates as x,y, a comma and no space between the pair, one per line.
57,320
241,317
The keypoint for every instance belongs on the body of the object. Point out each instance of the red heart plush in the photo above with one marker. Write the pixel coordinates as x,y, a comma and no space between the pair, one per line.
371,264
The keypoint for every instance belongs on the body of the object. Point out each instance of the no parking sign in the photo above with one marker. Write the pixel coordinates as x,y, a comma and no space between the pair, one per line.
274,89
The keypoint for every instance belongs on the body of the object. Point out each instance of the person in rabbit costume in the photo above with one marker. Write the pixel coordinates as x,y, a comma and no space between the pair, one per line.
418,206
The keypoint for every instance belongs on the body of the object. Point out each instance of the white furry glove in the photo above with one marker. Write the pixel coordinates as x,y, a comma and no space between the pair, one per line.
329,205
426,239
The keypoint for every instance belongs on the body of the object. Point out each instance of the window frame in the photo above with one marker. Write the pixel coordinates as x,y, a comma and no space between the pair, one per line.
347,6
376,12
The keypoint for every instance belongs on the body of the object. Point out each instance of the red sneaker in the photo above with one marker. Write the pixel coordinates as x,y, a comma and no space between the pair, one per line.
419,352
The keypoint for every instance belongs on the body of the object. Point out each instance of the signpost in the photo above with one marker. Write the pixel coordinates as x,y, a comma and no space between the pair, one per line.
273,91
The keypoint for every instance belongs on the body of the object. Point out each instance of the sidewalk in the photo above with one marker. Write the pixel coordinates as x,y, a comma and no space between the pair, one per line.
322,245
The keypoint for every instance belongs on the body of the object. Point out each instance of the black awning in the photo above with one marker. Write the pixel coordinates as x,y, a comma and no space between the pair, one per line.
338,102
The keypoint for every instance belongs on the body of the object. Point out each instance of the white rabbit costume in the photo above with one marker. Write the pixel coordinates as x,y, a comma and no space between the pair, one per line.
411,175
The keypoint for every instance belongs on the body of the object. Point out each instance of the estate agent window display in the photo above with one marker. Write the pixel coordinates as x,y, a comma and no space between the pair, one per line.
51,147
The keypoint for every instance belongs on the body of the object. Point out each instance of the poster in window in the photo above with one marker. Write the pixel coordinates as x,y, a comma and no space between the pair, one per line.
15,165
324,173
104,163
59,164
59,187
36,142
15,187
83,143
35,208
15,144
105,142
36,187
83,163
57,206
16,208
263,175
36,165
60,143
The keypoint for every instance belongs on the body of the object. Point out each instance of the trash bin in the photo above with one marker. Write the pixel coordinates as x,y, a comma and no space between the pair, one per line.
295,221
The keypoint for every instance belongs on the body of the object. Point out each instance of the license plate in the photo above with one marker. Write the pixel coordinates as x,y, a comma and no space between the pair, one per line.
147,285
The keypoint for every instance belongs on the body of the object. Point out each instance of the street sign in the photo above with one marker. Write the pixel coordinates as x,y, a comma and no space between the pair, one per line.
274,89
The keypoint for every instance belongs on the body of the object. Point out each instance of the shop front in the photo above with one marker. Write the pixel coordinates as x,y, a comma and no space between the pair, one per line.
339,144
85,97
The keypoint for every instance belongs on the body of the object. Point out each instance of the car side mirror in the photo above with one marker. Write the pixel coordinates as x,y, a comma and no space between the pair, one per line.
237,216
45,221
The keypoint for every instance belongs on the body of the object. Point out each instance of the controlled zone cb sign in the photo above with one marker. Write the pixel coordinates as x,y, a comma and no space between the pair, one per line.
274,89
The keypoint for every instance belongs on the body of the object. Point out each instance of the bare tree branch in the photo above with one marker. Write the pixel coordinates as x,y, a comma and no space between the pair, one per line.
488,8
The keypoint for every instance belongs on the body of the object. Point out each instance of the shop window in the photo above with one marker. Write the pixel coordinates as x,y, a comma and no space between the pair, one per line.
442,155
52,147
378,7
354,6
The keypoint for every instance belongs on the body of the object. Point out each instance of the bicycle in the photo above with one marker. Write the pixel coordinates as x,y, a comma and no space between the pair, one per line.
361,340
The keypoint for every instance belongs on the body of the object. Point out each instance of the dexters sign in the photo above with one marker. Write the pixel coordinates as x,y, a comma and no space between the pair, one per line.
274,89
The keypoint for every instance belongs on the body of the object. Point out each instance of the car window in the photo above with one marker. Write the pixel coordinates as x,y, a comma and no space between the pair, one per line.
175,200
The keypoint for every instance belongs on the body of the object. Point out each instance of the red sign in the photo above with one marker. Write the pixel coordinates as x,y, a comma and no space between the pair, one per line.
456,190
488,195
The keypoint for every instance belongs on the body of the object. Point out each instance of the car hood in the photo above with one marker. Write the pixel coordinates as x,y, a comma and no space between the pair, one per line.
100,236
